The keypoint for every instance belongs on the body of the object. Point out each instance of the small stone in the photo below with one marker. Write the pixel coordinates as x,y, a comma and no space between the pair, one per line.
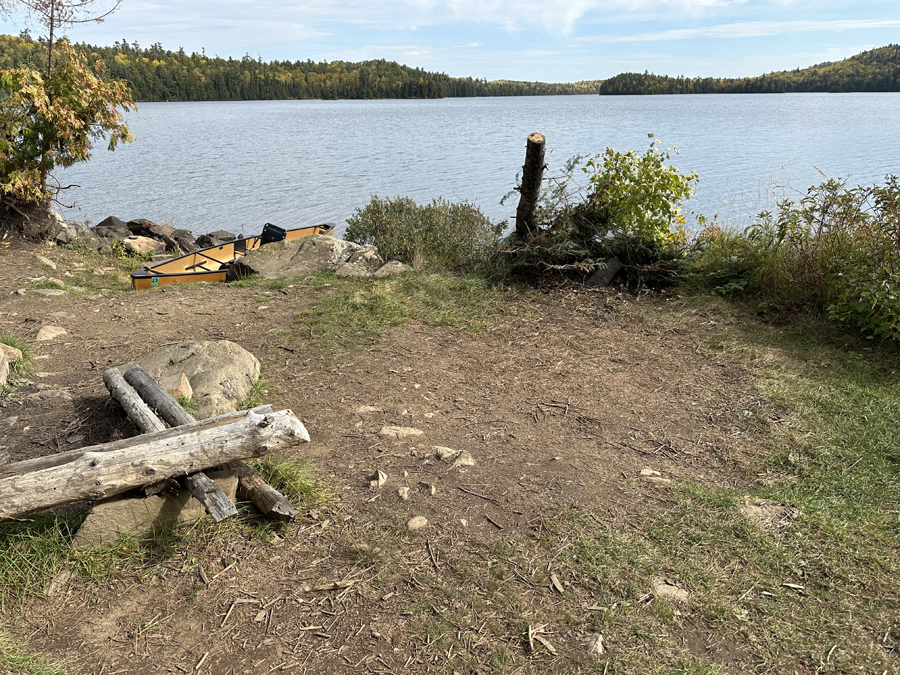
11,353
664,589
21,291
595,644
391,268
656,480
49,291
399,433
650,472
445,454
429,415
464,459
379,478
363,409
58,282
417,523
464,522
93,297
45,261
404,493
178,386
432,489
77,438
260,616
262,307
47,333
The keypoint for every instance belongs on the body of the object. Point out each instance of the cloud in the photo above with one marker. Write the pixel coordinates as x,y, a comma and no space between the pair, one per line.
748,29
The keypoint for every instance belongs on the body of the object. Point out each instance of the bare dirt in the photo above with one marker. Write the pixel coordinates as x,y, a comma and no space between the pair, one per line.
563,405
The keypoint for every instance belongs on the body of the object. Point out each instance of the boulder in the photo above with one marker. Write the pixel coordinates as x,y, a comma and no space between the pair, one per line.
362,263
185,240
391,268
143,245
205,241
137,515
112,228
223,235
142,227
71,232
287,259
221,374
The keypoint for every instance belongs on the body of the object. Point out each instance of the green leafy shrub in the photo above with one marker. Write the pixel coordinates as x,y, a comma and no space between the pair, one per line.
837,250
631,210
440,235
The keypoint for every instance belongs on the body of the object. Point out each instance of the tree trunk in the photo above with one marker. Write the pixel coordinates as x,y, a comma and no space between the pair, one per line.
105,470
530,190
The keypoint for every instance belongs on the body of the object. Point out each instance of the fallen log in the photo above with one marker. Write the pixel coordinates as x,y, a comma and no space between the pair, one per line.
267,499
216,502
137,411
101,471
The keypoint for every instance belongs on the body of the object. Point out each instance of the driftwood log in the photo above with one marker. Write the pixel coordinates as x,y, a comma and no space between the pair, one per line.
267,499
109,469
213,499
131,403
530,190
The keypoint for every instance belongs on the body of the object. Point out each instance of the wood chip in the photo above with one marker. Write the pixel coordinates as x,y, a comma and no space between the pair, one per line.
333,586
546,643
554,580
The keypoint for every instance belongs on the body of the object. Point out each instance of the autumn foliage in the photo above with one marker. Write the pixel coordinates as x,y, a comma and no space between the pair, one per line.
51,121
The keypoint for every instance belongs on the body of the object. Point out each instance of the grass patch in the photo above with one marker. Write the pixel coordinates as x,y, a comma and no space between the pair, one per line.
188,404
359,311
293,479
25,365
259,394
15,660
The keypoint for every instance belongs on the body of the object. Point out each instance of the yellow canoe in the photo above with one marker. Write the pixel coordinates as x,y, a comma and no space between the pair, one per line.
211,264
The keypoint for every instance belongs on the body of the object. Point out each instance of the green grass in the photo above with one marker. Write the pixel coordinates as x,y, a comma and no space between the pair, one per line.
15,660
360,310
293,479
25,365
259,394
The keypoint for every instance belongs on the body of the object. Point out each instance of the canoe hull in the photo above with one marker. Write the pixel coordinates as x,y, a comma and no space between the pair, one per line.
209,264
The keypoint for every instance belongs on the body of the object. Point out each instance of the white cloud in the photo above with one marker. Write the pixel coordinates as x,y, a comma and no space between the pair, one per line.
748,29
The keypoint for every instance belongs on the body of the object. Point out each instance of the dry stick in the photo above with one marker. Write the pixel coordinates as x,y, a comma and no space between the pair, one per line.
109,469
204,490
267,499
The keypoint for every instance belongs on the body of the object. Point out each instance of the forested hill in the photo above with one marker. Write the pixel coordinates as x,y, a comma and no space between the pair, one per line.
875,70
155,74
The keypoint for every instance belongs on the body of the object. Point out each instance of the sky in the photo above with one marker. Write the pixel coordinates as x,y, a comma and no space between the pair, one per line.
546,40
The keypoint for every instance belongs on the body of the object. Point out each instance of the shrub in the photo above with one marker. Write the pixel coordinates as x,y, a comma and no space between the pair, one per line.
836,250
631,210
437,235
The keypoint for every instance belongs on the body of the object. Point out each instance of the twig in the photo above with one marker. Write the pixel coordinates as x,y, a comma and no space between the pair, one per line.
475,494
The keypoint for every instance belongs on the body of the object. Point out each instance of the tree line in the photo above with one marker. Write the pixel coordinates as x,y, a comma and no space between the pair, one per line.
874,70
156,74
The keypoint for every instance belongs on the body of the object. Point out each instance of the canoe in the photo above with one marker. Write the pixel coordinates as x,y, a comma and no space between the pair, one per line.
212,263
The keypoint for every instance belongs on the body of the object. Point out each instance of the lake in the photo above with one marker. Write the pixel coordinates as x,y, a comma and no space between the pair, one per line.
238,165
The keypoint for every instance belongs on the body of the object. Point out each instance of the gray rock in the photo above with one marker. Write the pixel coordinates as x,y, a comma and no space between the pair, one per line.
221,374
127,514
665,590
417,523
45,261
49,291
223,235
391,268
142,245
72,232
287,259
604,276
399,433
205,241
185,240
353,270
112,228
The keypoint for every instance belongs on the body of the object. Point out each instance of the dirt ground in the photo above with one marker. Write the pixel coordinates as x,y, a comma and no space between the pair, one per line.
561,406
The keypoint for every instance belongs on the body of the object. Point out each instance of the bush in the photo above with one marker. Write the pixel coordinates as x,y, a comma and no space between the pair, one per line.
837,250
632,210
437,235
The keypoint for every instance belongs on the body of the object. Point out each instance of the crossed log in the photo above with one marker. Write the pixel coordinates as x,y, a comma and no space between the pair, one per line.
159,454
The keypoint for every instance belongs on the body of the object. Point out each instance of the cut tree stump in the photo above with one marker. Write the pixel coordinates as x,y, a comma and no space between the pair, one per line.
267,499
530,190
100,471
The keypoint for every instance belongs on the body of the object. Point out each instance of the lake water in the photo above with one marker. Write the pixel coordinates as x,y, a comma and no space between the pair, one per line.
238,165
